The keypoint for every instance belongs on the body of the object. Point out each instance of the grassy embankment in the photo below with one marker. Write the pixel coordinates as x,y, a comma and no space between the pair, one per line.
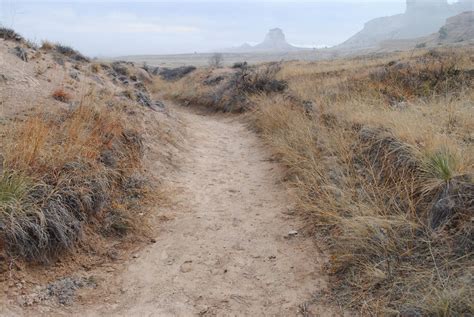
73,173
62,172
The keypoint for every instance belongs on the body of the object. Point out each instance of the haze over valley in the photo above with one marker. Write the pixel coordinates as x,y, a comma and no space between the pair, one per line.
420,24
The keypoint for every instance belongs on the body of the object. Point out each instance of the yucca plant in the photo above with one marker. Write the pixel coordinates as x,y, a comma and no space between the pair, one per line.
441,164
13,187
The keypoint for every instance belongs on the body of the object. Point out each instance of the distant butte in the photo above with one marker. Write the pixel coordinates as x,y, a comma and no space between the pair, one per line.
275,41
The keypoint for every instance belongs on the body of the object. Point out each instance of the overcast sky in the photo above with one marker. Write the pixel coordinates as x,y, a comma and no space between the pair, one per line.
113,28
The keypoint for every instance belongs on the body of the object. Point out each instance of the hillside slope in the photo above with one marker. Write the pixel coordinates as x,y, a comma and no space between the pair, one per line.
76,140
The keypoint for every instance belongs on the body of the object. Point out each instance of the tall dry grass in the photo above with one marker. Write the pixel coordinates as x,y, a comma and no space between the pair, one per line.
391,185
62,172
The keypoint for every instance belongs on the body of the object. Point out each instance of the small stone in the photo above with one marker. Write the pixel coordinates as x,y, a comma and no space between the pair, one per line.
3,78
292,233
203,311
135,256
159,104
186,267
289,212
21,53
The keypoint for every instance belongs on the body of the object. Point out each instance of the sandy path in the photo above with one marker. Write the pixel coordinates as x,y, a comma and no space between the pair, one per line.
227,251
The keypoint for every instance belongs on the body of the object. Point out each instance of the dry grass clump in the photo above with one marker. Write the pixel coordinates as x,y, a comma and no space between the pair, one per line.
64,172
390,189
61,95
47,45
96,68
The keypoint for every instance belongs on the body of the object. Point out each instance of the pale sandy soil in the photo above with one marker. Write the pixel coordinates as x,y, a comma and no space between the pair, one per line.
224,249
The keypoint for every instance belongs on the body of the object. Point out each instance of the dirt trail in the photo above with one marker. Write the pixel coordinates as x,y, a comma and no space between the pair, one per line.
227,251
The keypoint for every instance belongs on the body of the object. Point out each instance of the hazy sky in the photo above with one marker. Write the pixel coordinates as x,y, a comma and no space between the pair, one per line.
99,28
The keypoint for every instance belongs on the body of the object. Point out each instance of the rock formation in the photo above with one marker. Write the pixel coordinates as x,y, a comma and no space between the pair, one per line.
459,28
421,18
275,41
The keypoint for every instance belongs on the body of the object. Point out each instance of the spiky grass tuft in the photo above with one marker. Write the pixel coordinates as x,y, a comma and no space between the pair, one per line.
13,188
442,165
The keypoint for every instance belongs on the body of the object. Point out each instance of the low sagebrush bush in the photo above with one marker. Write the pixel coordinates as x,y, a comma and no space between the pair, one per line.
229,93
173,74
9,34
240,65
260,80
69,52
121,68
233,95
